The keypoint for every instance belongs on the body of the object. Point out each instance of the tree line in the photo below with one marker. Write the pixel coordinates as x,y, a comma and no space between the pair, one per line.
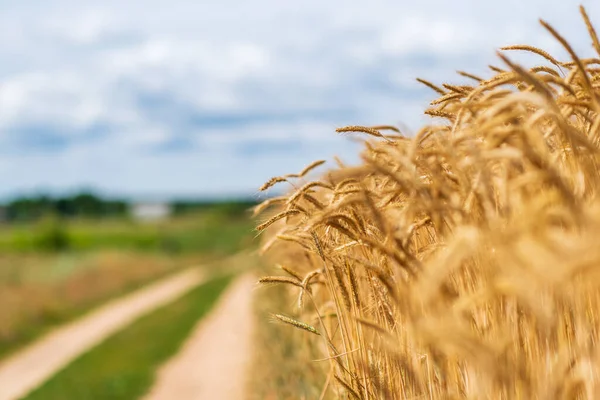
90,205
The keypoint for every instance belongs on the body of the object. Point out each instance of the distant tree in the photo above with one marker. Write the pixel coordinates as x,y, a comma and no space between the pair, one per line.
65,207
83,204
90,205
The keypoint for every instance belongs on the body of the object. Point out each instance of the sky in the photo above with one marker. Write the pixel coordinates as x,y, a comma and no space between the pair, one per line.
191,98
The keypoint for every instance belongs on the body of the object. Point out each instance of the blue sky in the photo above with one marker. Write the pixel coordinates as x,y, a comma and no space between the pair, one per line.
197,98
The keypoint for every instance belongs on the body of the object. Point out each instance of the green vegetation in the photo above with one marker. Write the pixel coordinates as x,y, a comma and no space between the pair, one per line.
123,366
80,205
89,205
218,230
230,208
53,270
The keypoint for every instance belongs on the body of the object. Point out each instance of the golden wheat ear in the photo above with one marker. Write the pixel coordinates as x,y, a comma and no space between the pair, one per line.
290,271
295,323
256,210
431,86
276,218
386,128
469,75
574,57
590,28
362,129
272,182
307,169
535,50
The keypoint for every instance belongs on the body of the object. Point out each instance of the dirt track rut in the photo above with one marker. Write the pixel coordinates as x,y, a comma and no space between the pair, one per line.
213,362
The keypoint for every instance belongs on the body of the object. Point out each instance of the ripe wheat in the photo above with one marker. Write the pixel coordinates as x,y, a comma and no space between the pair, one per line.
462,262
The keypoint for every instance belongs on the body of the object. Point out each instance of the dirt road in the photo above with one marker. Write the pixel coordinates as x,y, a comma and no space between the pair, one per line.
27,369
212,364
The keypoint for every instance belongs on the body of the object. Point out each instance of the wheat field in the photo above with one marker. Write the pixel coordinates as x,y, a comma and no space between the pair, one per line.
462,262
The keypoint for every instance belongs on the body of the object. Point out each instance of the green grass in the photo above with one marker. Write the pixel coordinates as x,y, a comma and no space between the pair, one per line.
42,286
211,230
123,366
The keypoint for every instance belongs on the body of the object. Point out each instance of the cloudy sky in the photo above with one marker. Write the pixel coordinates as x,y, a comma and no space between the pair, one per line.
211,98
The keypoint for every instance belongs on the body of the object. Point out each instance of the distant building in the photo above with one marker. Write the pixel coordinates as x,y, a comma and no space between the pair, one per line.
149,212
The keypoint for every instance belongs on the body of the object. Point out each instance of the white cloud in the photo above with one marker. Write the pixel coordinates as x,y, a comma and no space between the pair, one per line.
213,84
91,26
